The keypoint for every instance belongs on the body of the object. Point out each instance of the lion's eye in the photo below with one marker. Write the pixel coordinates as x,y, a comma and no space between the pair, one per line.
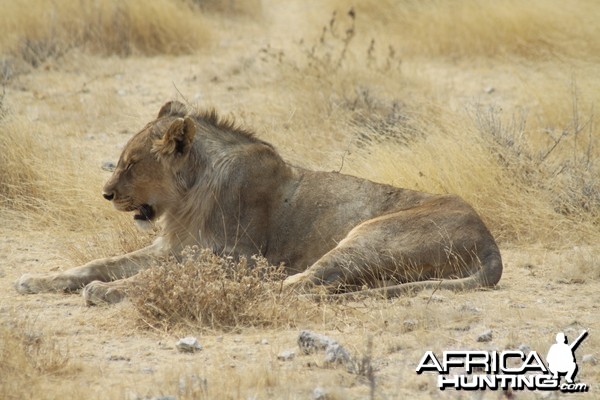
129,165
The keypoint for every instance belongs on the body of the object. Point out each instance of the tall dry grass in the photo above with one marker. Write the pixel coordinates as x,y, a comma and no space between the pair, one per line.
30,360
39,29
40,178
537,29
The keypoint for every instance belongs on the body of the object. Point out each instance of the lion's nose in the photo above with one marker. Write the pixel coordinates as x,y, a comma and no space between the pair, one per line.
108,196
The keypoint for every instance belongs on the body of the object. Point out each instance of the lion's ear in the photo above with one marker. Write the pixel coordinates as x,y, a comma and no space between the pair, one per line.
177,141
172,109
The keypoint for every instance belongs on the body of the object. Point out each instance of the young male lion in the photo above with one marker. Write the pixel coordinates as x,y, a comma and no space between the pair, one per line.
208,183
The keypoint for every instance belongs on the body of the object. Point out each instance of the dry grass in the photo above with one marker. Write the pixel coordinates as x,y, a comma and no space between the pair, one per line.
41,29
392,92
30,359
40,181
252,8
479,28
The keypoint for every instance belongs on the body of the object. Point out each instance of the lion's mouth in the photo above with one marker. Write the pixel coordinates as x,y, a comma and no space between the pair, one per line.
144,213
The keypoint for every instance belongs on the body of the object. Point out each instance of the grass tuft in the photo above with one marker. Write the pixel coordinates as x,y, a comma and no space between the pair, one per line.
29,357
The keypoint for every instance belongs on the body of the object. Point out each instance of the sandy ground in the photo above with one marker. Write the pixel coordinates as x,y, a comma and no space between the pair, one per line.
113,357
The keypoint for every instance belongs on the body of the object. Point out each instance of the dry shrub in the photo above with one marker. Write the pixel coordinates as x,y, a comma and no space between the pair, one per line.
563,164
41,29
212,292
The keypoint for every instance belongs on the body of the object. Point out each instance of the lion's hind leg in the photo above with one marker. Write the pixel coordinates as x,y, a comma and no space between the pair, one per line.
407,251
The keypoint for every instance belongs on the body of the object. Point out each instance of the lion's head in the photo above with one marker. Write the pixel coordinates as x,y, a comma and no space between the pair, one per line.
148,178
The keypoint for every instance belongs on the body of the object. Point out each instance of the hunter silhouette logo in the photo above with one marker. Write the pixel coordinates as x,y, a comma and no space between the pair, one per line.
508,369
561,356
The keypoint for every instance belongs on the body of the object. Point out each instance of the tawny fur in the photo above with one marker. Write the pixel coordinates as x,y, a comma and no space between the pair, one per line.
209,183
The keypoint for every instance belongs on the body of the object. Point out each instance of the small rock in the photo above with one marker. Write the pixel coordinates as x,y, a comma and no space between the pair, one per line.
286,355
164,346
188,345
468,307
336,354
489,90
486,336
320,394
589,359
118,358
311,342
410,324
517,305
108,166
264,342
436,298
524,348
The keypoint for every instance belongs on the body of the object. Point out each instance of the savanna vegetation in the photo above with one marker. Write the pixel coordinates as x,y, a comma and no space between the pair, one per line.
493,101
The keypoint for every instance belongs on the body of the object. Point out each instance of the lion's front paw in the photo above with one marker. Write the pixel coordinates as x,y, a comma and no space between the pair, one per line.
96,293
29,283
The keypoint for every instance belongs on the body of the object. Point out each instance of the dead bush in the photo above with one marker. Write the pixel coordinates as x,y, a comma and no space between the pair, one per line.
203,289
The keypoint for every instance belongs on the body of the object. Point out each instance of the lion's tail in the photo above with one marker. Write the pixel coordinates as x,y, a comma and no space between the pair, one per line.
487,276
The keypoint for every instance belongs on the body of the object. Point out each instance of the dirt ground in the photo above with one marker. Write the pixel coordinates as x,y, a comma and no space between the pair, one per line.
96,103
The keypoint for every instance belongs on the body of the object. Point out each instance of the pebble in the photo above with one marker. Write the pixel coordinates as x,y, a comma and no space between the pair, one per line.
188,345
436,298
286,355
108,166
320,394
485,336
524,348
310,342
468,307
410,324
336,354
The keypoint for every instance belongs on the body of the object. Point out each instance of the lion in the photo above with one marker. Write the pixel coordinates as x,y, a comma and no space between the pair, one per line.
209,183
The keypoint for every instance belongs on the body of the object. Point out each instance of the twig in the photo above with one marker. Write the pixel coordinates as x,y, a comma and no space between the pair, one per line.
432,293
